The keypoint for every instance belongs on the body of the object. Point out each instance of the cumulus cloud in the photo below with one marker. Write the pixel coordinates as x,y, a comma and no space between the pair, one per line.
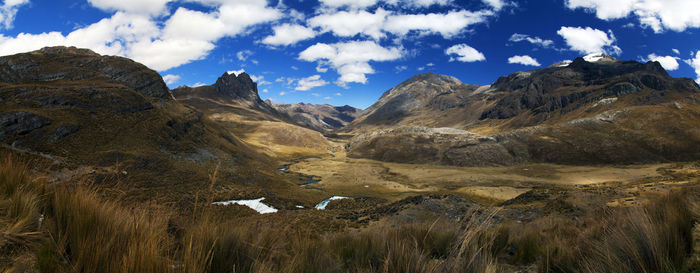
524,60
446,24
288,34
351,23
589,40
676,15
669,63
517,37
350,59
307,83
464,53
170,78
695,63
185,36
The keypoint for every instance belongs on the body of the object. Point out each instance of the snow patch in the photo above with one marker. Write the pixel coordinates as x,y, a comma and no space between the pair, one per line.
324,203
255,204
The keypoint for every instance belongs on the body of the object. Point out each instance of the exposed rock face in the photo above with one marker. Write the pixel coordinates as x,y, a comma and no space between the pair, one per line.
593,110
230,88
19,123
568,88
320,117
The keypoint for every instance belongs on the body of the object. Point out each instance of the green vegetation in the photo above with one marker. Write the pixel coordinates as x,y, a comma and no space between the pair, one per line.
72,228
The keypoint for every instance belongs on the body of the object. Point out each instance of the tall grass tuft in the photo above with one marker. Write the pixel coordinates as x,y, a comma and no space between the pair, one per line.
20,215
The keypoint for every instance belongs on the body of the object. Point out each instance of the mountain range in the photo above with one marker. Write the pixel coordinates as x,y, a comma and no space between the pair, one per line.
82,109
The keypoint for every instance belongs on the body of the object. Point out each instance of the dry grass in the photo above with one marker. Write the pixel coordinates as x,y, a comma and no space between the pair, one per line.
83,232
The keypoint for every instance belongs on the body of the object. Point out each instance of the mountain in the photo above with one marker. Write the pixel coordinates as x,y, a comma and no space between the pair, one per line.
229,88
320,117
587,112
423,100
114,119
233,103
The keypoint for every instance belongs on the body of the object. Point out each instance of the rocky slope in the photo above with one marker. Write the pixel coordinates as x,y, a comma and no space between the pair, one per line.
114,119
586,112
423,100
234,103
320,117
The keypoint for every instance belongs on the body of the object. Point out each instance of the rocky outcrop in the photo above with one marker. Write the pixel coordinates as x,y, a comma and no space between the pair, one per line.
19,123
229,88
567,88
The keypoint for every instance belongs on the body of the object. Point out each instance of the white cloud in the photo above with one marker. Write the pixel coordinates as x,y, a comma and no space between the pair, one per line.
310,82
430,64
524,60
170,78
184,37
676,51
464,53
265,90
316,94
669,63
288,34
327,98
283,93
676,15
8,11
588,40
400,68
517,37
321,69
695,63
351,23
294,68
244,55
419,3
149,7
338,94
495,4
446,24
350,59
198,84
349,3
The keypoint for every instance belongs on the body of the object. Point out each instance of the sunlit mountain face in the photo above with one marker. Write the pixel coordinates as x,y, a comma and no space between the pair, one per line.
349,52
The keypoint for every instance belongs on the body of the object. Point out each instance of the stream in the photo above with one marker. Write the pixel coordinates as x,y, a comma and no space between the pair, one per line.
308,178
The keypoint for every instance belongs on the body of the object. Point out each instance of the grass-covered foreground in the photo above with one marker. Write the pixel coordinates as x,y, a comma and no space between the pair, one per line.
74,228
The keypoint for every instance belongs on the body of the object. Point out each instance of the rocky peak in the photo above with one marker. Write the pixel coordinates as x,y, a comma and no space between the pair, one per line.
241,86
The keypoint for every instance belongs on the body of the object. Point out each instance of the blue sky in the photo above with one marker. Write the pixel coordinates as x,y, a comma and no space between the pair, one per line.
351,51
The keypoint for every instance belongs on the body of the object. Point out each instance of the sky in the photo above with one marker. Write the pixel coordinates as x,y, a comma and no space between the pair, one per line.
351,51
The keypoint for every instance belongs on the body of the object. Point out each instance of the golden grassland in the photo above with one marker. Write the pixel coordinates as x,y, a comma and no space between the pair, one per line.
341,175
74,228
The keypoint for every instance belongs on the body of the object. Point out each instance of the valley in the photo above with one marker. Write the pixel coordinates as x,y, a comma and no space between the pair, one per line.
553,169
